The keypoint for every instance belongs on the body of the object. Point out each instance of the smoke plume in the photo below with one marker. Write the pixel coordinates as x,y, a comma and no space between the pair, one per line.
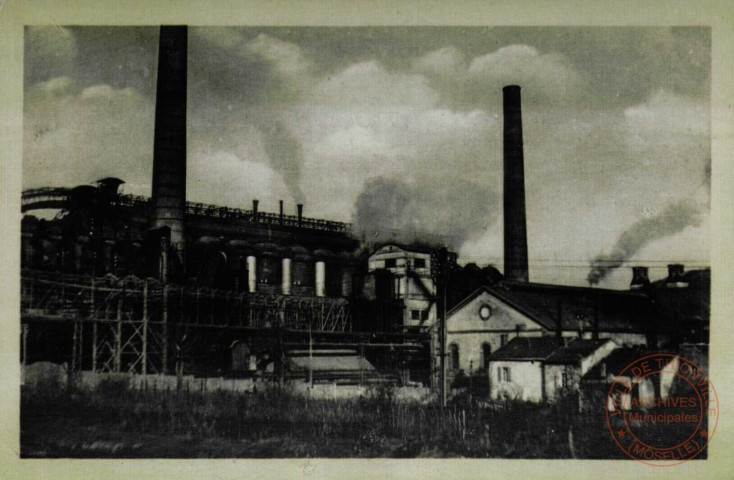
675,218
429,211
285,155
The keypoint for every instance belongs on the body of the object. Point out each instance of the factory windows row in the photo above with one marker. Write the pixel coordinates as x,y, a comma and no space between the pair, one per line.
419,314
417,263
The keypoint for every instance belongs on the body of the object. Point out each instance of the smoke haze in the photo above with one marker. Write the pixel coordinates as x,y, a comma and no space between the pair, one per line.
675,218
390,209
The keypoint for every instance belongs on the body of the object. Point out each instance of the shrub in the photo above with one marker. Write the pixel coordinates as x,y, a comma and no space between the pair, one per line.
111,387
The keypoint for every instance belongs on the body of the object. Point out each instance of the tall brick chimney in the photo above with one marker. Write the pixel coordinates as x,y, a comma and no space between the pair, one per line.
169,145
516,242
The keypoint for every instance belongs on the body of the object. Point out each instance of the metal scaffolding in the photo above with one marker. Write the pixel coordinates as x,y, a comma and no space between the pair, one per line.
143,326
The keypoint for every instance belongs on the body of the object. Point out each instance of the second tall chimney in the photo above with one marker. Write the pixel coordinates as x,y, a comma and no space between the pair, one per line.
516,242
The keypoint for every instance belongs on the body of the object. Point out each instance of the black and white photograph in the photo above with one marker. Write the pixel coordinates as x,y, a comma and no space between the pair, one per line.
381,242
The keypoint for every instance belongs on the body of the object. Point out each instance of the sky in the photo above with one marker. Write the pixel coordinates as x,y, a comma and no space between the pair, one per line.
401,127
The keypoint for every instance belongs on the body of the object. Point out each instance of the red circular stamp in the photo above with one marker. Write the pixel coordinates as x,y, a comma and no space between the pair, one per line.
662,410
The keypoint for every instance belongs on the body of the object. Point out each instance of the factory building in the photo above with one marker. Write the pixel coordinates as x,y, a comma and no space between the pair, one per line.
207,282
412,283
493,316
103,232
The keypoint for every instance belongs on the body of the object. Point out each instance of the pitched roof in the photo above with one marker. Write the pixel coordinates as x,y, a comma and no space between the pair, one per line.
328,361
618,311
547,349
576,350
413,247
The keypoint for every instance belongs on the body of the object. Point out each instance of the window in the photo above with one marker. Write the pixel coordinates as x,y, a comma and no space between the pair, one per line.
485,312
486,352
503,374
424,314
454,356
419,263
391,263
503,339
415,314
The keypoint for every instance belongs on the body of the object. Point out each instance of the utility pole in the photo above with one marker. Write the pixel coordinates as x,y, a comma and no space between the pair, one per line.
439,271
310,357
444,283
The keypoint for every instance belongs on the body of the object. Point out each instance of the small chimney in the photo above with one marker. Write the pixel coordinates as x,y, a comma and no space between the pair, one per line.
300,214
639,278
254,210
281,212
675,276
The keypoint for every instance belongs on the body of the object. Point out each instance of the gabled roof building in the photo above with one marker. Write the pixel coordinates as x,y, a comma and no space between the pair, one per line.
542,368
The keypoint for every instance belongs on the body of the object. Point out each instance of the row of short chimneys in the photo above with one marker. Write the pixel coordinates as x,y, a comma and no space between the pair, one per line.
299,206
675,277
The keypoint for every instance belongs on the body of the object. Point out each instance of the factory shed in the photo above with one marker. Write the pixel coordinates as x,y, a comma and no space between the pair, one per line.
491,317
342,366
542,369
581,309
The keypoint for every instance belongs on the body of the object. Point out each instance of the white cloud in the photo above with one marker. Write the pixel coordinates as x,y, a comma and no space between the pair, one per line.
446,62
225,179
287,57
505,58
73,137
669,112
369,84
55,86
354,141
546,75
101,91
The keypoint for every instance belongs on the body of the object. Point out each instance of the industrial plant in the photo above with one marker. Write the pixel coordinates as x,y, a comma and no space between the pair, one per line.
160,286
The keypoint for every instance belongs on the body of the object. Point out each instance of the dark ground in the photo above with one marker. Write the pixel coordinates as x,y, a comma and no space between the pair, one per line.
115,422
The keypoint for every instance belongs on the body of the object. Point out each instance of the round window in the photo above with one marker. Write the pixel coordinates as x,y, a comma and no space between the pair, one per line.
485,312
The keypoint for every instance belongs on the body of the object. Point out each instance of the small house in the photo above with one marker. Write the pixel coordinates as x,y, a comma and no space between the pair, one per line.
537,369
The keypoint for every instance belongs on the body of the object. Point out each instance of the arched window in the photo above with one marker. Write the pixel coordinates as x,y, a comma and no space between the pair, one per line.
454,356
486,352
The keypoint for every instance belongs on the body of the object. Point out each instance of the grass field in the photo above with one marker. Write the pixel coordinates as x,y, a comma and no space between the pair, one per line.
114,421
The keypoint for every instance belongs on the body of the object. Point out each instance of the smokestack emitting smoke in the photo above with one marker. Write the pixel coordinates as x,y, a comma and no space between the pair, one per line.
169,147
675,218
516,242
285,155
